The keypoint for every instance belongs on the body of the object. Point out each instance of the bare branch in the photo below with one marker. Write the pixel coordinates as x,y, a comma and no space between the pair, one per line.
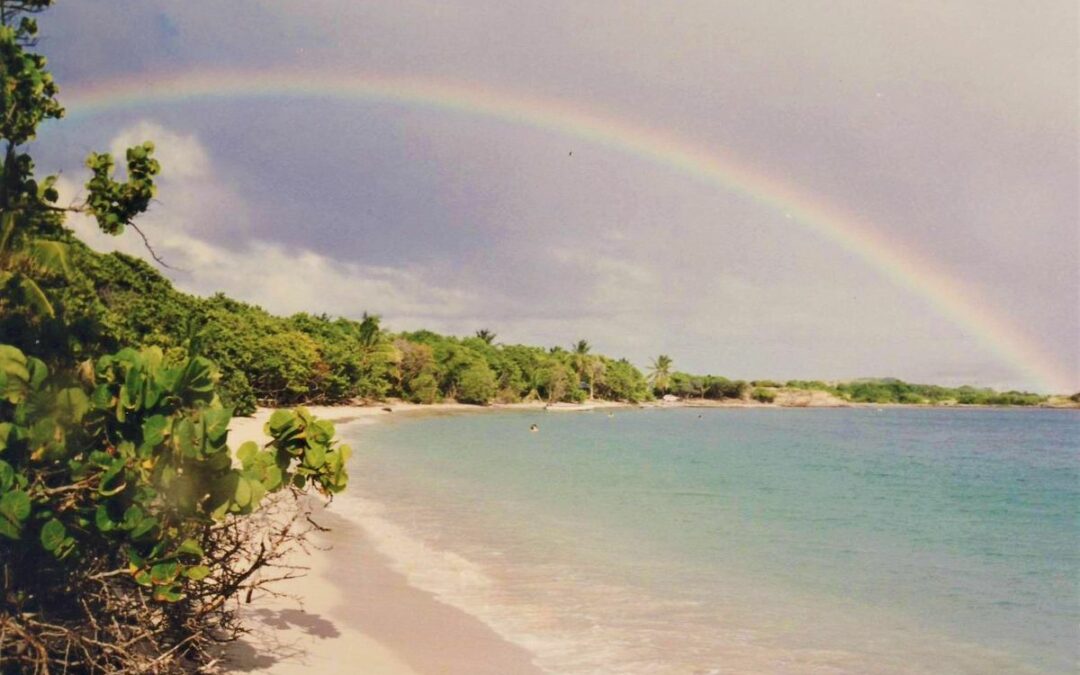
150,249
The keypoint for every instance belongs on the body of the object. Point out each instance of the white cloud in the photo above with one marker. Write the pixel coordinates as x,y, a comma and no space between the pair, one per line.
282,279
182,157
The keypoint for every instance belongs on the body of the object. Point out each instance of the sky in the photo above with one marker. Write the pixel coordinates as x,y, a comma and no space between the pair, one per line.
948,131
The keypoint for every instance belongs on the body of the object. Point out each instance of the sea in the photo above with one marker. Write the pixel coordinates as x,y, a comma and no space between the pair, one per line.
744,540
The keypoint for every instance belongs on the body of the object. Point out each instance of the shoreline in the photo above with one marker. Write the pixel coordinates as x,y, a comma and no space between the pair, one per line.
354,607
351,607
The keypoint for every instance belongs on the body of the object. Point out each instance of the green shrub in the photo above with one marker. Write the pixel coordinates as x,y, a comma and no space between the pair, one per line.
424,388
476,384
764,395
120,488
236,393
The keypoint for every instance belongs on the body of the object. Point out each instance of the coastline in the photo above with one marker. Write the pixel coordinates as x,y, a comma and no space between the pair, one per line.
353,607
375,622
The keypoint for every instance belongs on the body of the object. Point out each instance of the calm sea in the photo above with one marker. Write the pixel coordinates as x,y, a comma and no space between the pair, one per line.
743,540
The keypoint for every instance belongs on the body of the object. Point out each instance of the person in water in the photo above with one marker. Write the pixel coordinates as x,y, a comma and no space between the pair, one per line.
534,428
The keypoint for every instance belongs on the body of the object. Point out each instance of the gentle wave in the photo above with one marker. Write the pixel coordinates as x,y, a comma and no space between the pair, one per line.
541,579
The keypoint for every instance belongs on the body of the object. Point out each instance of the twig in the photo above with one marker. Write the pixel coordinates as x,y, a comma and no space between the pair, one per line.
153,253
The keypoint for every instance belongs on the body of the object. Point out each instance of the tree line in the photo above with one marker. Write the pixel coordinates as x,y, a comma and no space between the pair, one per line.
262,359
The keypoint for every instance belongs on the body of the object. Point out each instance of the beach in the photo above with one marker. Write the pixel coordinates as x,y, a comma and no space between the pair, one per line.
373,622
466,544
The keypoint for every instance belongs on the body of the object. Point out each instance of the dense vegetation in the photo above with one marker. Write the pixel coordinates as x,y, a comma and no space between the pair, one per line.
116,300
124,528
889,390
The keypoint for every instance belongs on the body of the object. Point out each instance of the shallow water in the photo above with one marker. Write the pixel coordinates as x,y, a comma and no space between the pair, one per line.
745,540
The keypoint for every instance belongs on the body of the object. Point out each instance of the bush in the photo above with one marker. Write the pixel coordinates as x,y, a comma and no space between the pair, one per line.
119,488
424,388
476,384
764,395
236,393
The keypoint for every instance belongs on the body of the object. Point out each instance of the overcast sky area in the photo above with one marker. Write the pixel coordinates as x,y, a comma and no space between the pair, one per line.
950,127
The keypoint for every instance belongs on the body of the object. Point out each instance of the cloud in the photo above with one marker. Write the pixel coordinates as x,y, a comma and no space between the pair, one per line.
281,278
182,156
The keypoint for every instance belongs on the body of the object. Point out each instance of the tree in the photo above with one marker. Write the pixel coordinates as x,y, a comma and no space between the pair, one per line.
122,507
486,335
476,384
660,373
585,364
623,382
556,382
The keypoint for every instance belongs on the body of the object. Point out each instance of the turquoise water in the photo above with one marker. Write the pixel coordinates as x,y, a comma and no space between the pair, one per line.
743,540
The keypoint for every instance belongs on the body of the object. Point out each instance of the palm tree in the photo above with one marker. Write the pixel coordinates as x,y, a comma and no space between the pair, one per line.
369,330
660,373
583,362
486,335
26,259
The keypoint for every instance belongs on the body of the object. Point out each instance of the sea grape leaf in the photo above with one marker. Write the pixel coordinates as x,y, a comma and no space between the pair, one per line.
280,422
197,573
153,429
52,535
102,519
217,424
246,453
315,455
14,509
273,478
168,594
323,431
72,404
145,526
184,433
164,573
112,481
190,547
7,476
132,517
242,496
38,372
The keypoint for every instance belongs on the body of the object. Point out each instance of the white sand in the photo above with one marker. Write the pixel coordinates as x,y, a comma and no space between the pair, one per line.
352,613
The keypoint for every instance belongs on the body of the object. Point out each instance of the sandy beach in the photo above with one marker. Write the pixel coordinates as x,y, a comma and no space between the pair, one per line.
375,623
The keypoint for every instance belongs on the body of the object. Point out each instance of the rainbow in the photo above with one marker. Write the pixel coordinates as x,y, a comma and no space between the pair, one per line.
902,265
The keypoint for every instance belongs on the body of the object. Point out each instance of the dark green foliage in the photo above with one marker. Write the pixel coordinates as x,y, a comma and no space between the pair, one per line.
28,97
115,299
115,204
236,393
124,473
